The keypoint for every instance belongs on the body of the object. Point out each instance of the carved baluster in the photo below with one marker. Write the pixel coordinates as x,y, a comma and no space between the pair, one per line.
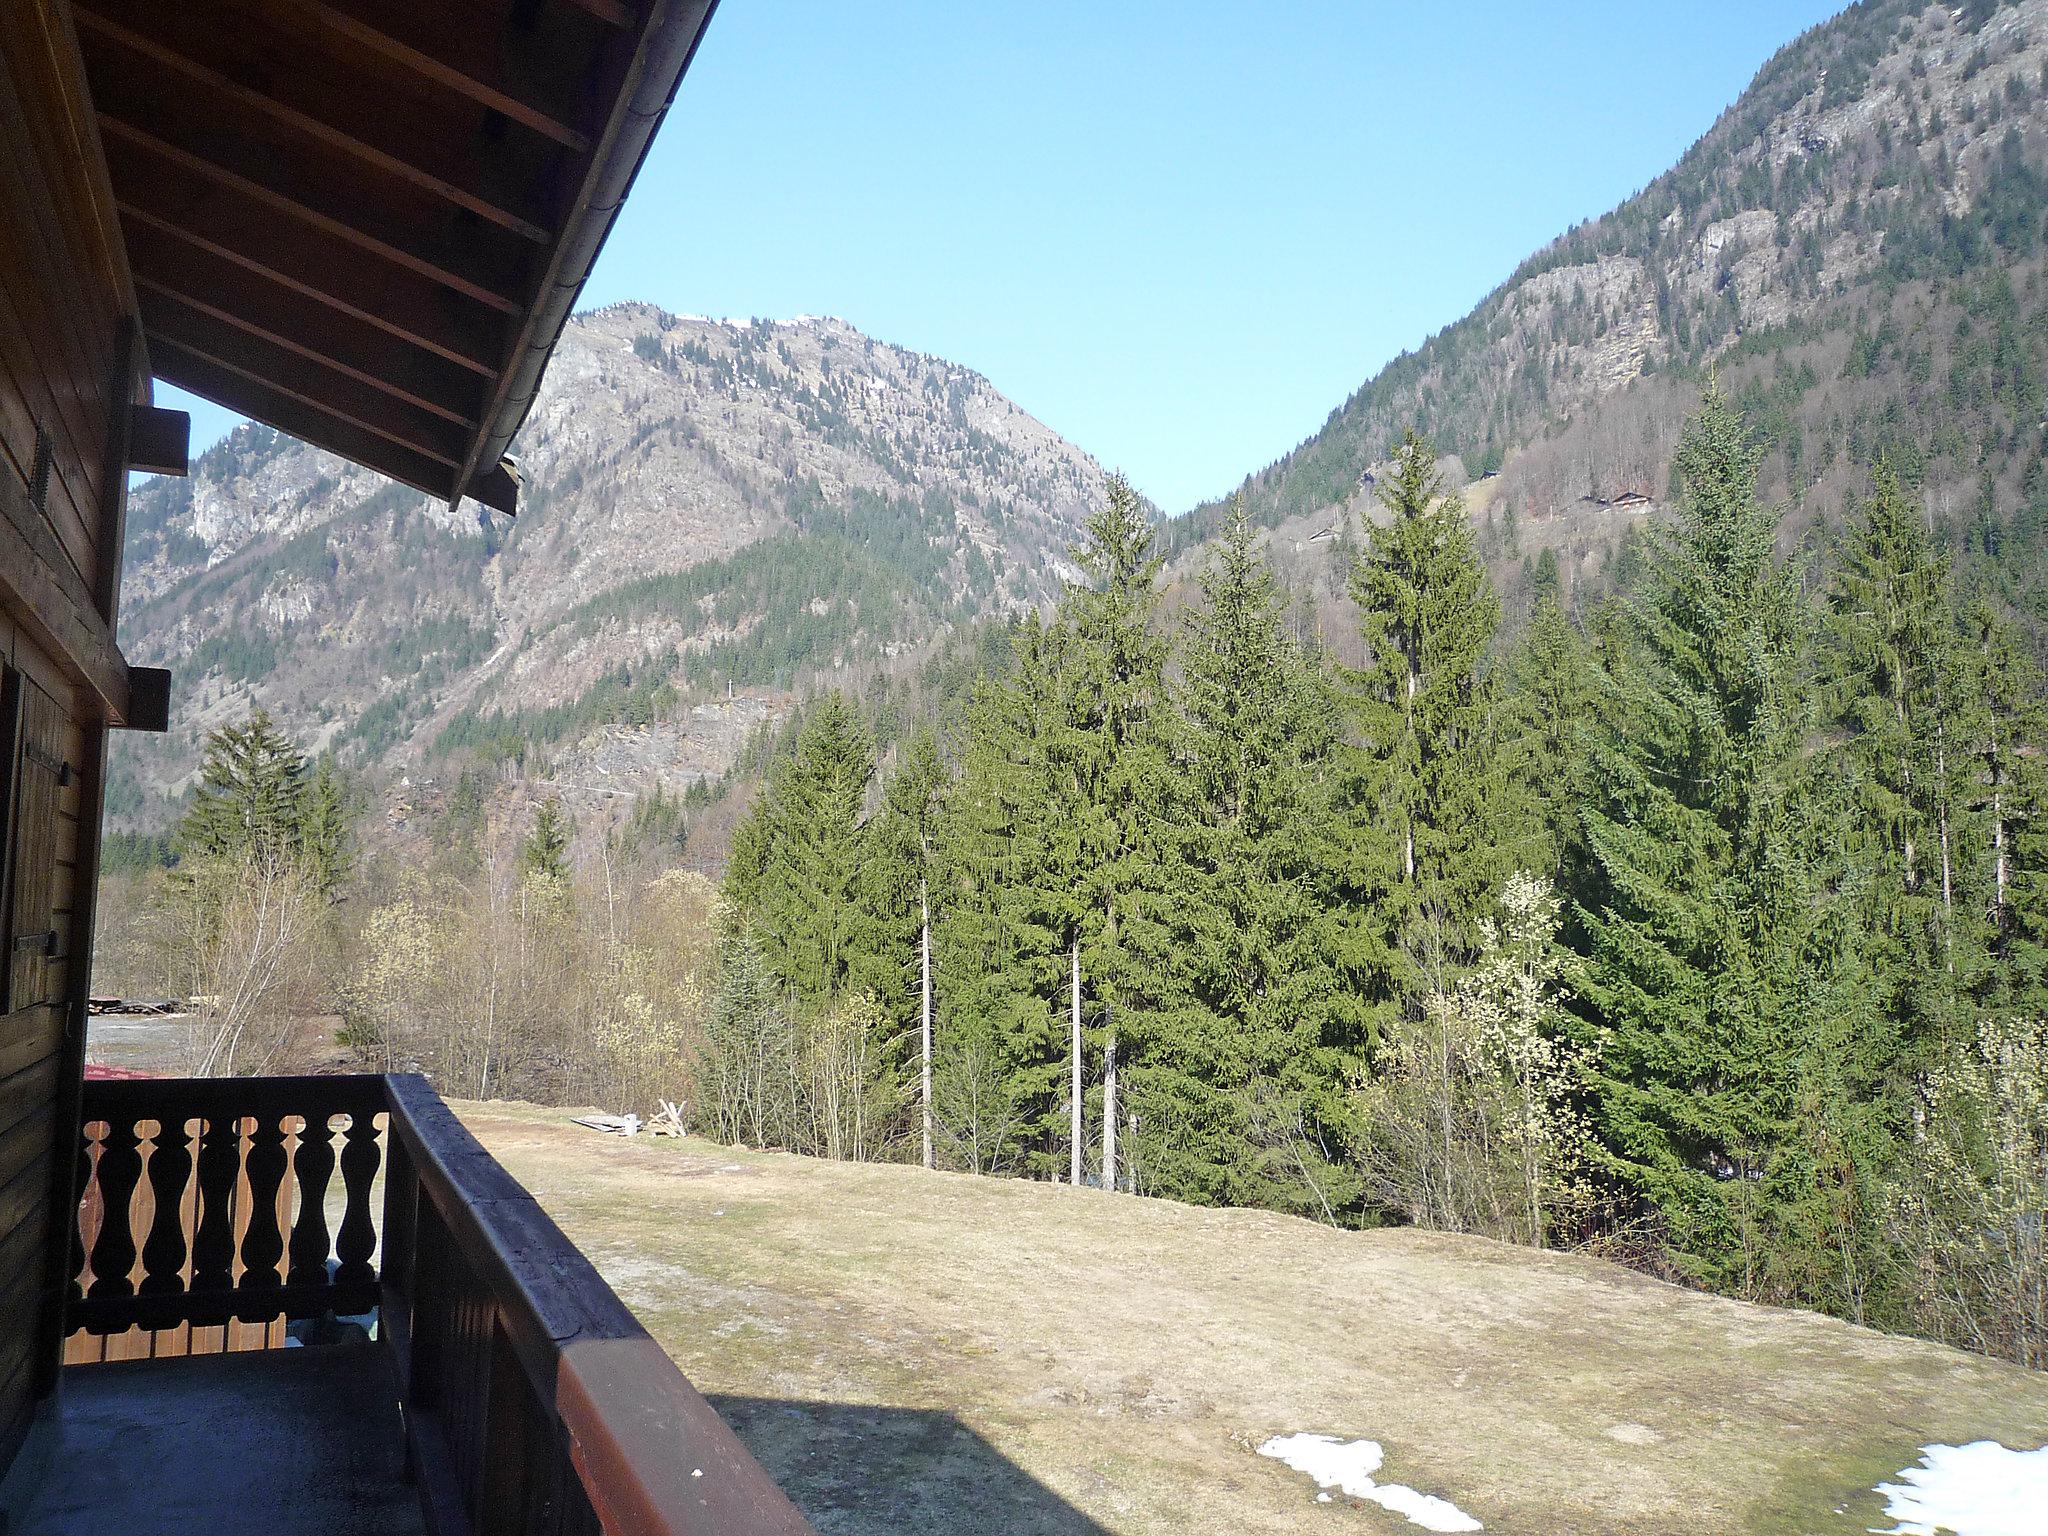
358,1236
313,1166
213,1246
85,1227
170,1166
263,1241
113,1256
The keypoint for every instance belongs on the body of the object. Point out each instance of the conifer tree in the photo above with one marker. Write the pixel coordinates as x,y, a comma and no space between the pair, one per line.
797,859
900,868
2010,779
545,852
1109,760
1266,1047
1434,822
1740,1088
1007,913
250,801
1903,701
257,801
1551,696
324,830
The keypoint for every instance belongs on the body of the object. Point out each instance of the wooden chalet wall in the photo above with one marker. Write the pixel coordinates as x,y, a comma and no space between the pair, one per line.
69,369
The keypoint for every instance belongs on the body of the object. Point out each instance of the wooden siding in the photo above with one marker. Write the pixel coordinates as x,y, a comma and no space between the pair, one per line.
68,370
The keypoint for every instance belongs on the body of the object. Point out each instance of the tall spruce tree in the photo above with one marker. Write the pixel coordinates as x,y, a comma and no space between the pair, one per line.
545,851
1245,1102
1905,705
1435,823
2010,780
796,869
257,800
1740,1090
1007,864
901,877
1550,698
1110,761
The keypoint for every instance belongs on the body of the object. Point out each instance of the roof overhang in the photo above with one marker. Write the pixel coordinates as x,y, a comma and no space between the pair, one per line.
364,222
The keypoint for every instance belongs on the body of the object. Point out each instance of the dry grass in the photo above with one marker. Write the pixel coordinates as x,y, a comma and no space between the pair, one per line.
938,1353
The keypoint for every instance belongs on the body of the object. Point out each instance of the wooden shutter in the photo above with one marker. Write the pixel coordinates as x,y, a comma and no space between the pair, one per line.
32,748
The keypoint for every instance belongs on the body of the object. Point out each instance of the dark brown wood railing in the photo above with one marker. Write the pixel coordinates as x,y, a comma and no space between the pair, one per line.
533,1399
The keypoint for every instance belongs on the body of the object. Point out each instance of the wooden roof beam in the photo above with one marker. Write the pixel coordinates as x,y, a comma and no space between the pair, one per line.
331,206
265,308
235,228
611,12
450,49
268,72
287,373
204,377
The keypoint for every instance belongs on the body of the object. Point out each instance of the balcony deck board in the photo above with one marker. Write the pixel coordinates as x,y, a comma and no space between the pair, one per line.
301,1440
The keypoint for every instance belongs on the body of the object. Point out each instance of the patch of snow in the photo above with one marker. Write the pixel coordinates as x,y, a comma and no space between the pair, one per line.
1979,1489
1348,1465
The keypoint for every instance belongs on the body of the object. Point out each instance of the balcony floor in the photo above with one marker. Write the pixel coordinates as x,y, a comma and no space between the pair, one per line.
305,1440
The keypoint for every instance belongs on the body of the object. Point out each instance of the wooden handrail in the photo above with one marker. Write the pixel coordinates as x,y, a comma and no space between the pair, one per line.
534,1400
582,1420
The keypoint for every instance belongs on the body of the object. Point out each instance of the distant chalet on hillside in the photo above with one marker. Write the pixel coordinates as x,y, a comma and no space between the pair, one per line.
363,223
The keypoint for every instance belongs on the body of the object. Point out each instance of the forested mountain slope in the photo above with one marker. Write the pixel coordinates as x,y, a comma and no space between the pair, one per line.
711,508
1855,245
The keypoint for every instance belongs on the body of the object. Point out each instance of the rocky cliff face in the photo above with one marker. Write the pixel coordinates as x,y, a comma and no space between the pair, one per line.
1855,247
715,512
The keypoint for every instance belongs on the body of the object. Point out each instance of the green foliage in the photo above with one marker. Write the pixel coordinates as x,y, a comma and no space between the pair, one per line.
545,851
797,859
1741,1092
257,801
1436,824
1246,1102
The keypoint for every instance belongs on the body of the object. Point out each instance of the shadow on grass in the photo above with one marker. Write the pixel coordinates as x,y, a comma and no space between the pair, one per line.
859,1470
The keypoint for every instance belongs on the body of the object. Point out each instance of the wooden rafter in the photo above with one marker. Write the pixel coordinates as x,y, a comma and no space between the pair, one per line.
334,208
204,376
321,386
238,229
443,46
279,315
364,221
260,72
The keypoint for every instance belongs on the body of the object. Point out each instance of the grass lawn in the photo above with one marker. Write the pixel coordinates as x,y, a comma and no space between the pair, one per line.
914,1352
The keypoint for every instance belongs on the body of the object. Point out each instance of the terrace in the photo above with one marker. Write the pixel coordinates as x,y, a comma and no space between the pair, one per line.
319,1296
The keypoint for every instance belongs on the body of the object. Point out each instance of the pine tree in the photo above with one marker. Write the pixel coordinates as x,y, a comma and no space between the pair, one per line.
2010,781
1266,1053
256,801
1435,825
250,801
545,852
1740,1087
1551,697
1904,703
797,859
1110,766
1007,873
324,830
900,869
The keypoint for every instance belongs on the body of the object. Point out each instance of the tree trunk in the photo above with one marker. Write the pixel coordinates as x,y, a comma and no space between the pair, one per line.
1074,1164
1998,837
1948,889
924,907
1109,1111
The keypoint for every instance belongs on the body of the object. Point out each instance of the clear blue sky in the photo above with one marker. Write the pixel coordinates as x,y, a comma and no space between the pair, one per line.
1178,233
